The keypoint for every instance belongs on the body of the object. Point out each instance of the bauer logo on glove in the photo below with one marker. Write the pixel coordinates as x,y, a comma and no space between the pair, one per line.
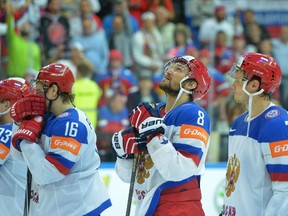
116,140
151,126
146,123
127,142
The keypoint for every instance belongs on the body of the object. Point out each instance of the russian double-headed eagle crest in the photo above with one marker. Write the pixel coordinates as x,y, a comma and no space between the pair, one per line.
233,171
145,163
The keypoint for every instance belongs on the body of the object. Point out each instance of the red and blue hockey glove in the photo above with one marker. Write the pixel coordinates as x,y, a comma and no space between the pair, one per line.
147,120
151,127
31,105
28,130
127,142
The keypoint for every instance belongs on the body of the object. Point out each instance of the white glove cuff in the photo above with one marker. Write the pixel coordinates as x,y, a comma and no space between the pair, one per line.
117,142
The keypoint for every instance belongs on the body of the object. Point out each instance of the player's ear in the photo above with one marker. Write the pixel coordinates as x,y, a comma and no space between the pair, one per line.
191,85
53,89
8,104
255,85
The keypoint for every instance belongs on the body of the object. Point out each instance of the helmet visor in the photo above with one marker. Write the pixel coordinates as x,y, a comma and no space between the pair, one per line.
35,82
176,67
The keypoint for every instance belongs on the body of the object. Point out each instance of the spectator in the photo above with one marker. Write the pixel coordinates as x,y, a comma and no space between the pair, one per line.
54,32
220,48
254,35
22,12
31,13
198,11
95,46
120,7
70,7
121,39
249,18
23,53
146,93
211,26
112,117
106,8
117,79
85,11
167,4
266,47
76,57
148,50
280,51
232,54
183,42
137,8
87,92
165,27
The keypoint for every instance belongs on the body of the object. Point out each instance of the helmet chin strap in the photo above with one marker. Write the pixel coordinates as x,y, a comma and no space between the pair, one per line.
181,92
251,95
5,112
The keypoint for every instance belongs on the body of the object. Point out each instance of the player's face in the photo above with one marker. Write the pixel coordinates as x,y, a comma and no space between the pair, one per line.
239,95
39,86
173,74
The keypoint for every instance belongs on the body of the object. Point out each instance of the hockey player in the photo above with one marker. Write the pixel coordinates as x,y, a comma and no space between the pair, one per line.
64,160
172,159
257,168
12,171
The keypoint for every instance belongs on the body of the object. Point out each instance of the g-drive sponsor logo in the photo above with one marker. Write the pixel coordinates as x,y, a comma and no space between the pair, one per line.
4,151
66,143
191,131
279,148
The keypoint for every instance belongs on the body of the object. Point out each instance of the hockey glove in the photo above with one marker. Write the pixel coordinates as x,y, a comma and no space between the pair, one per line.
151,127
126,143
28,130
142,112
31,105
147,120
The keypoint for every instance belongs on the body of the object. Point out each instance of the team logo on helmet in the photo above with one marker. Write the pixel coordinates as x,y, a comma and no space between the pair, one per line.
232,175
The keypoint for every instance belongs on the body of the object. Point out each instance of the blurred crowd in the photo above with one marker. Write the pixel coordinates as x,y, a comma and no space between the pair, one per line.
117,49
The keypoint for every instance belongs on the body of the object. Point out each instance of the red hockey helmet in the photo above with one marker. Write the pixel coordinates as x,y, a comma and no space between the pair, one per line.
13,89
263,66
197,71
57,73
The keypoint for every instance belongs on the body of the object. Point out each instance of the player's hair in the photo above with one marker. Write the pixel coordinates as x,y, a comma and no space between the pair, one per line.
67,97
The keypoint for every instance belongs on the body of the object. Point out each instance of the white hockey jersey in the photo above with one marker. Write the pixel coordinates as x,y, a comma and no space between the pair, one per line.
257,168
12,177
164,164
64,166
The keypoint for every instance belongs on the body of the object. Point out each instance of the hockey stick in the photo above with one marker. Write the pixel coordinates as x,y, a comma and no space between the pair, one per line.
27,193
29,182
132,181
29,175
